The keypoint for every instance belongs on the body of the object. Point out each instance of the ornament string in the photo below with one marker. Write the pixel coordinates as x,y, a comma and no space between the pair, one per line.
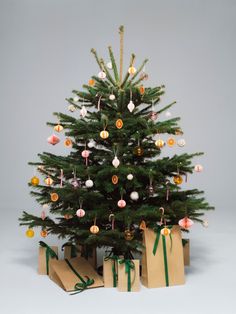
99,102
49,253
84,284
61,178
129,265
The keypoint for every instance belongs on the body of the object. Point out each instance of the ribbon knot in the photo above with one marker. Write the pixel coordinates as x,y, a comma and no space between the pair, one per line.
49,254
129,265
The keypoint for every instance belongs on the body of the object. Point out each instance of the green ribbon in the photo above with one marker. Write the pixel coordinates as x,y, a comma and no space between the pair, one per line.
73,252
129,264
184,242
84,284
158,234
49,254
114,273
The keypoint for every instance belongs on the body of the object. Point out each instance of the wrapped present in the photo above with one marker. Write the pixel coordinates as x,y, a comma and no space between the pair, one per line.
186,248
128,275
74,274
46,254
162,257
90,254
110,270
71,250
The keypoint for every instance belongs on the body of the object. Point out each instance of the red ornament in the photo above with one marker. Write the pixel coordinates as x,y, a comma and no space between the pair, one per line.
185,223
121,203
53,139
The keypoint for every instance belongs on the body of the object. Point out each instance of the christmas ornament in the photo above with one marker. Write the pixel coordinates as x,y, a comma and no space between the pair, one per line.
185,223
165,231
80,213
85,154
75,183
68,216
104,134
114,179
142,90
94,229
109,65
112,97
130,176
181,142
134,196
91,144
150,187
177,179
116,162
159,143
111,218
45,206
71,108
68,142
83,111
43,233
76,98
48,181
121,203
43,215
168,114
58,128
54,197
119,124
198,168
142,225
138,151
89,183
102,75
131,106
53,139
153,116
129,235
205,223
30,233
91,82
171,142
34,181
132,70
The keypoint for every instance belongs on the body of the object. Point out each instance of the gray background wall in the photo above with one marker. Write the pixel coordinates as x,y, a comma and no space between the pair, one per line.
45,53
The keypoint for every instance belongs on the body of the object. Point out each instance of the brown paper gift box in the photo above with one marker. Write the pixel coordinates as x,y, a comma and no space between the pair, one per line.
186,248
110,271
123,277
91,258
154,272
42,261
71,251
63,275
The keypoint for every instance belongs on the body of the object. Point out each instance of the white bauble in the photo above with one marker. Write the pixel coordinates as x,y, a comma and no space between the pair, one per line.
134,196
130,176
112,97
91,144
89,183
71,108
76,98
45,206
116,162
198,168
83,111
109,65
131,106
181,142
102,75
168,114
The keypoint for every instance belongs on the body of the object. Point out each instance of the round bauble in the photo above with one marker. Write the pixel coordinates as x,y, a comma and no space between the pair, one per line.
76,98
165,231
58,128
85,153
54,197
129,235
112,97
30,233
104,134
181,142
80,213
114,179
71,108
121,203
130,176
185,223
119,124
91,82
132,70
75,183
177,179
48,181
109,65
134,196
159,143
89,183
171,142
115,162
198,168
43,233
102,75
34,181
68,142
138,151
94,229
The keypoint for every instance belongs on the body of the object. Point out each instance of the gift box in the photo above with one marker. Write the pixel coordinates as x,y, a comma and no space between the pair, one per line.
46,254
71,250
90,254
162,258
74,274
128,275
186,248
110,270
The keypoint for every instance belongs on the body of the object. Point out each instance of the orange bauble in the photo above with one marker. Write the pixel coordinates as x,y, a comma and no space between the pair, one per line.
119,124
165,231
30,233
177,179
114,179
68,142
43,233
171,142
142,90
58,128
94,229
54,197
91,82
35,181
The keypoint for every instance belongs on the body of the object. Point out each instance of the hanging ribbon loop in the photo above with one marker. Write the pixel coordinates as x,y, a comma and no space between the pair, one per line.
129,265
49,254
114,258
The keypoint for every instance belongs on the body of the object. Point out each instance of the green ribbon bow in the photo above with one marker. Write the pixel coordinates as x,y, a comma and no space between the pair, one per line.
84,284
49,254
129,264
73,249
114,273
158,234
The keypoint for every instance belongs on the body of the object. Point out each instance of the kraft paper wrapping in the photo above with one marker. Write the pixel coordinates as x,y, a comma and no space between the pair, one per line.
154,272
63,276
42,264
123,277
68,250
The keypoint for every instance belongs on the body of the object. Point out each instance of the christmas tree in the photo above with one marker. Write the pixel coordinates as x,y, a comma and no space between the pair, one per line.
114,183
